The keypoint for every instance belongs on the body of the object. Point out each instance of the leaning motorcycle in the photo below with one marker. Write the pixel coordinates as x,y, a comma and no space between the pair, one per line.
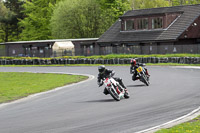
142,75
115,89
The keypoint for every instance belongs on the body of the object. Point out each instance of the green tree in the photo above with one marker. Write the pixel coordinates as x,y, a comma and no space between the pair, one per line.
116,7
3,9
77,19
15,6
6,20
36,23
86,18
143,4
2,14
184,2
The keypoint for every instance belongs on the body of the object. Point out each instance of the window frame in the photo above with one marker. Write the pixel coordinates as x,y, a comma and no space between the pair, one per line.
133,24
153,24
142,25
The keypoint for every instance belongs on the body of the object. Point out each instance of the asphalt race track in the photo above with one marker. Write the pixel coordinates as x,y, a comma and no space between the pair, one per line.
83,108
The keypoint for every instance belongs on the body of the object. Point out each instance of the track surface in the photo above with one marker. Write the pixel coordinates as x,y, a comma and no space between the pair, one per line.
83,108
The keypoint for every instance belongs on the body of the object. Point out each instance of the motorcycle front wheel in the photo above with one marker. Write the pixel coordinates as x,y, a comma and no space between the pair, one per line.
144,79
114,94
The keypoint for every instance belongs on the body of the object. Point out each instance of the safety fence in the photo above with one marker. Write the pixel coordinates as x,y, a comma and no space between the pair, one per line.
181,60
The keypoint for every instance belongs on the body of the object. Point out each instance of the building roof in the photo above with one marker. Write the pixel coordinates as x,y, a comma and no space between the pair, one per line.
63,45
50,41
188,14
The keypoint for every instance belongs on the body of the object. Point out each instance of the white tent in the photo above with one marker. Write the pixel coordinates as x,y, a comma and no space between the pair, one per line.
63,49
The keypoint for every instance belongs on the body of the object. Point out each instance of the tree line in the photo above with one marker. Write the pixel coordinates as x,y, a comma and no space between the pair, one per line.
25,20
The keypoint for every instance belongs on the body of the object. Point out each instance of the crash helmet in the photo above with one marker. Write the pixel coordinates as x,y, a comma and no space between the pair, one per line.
101,68
133,62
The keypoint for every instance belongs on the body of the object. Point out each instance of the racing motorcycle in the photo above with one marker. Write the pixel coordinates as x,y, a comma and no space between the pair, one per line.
115,89
142,75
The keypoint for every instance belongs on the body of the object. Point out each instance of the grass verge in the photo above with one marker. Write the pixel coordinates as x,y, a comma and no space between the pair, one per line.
192,126
15,85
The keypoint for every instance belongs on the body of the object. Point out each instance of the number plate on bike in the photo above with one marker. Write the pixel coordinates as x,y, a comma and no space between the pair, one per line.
139,69
106,81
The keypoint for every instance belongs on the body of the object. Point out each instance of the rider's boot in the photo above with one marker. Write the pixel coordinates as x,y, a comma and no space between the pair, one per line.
126,94
135,77
105,91
121,83
126,91
147,73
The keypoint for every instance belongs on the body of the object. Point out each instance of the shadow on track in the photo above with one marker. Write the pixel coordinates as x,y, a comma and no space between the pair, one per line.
101,100
136,85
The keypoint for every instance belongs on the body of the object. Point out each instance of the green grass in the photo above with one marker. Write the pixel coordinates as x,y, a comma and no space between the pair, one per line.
192,126
111,56
15,85
171,64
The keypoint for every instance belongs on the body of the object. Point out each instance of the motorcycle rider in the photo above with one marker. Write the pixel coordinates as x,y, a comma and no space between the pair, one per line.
104,73
134,66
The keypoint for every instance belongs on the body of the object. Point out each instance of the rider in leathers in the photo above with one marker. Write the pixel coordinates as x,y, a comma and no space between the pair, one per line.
134,66
104,73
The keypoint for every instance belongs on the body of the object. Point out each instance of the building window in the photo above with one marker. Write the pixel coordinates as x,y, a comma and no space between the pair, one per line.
88,50
150,48
108,50
91,49
157,23
41,51
174,50
129,24
13,52
142,23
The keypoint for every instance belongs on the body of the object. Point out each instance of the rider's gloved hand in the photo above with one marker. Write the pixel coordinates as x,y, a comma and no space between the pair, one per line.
132,71
143,64
100,83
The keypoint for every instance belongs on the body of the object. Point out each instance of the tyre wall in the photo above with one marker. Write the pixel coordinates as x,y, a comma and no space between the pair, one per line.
180,60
